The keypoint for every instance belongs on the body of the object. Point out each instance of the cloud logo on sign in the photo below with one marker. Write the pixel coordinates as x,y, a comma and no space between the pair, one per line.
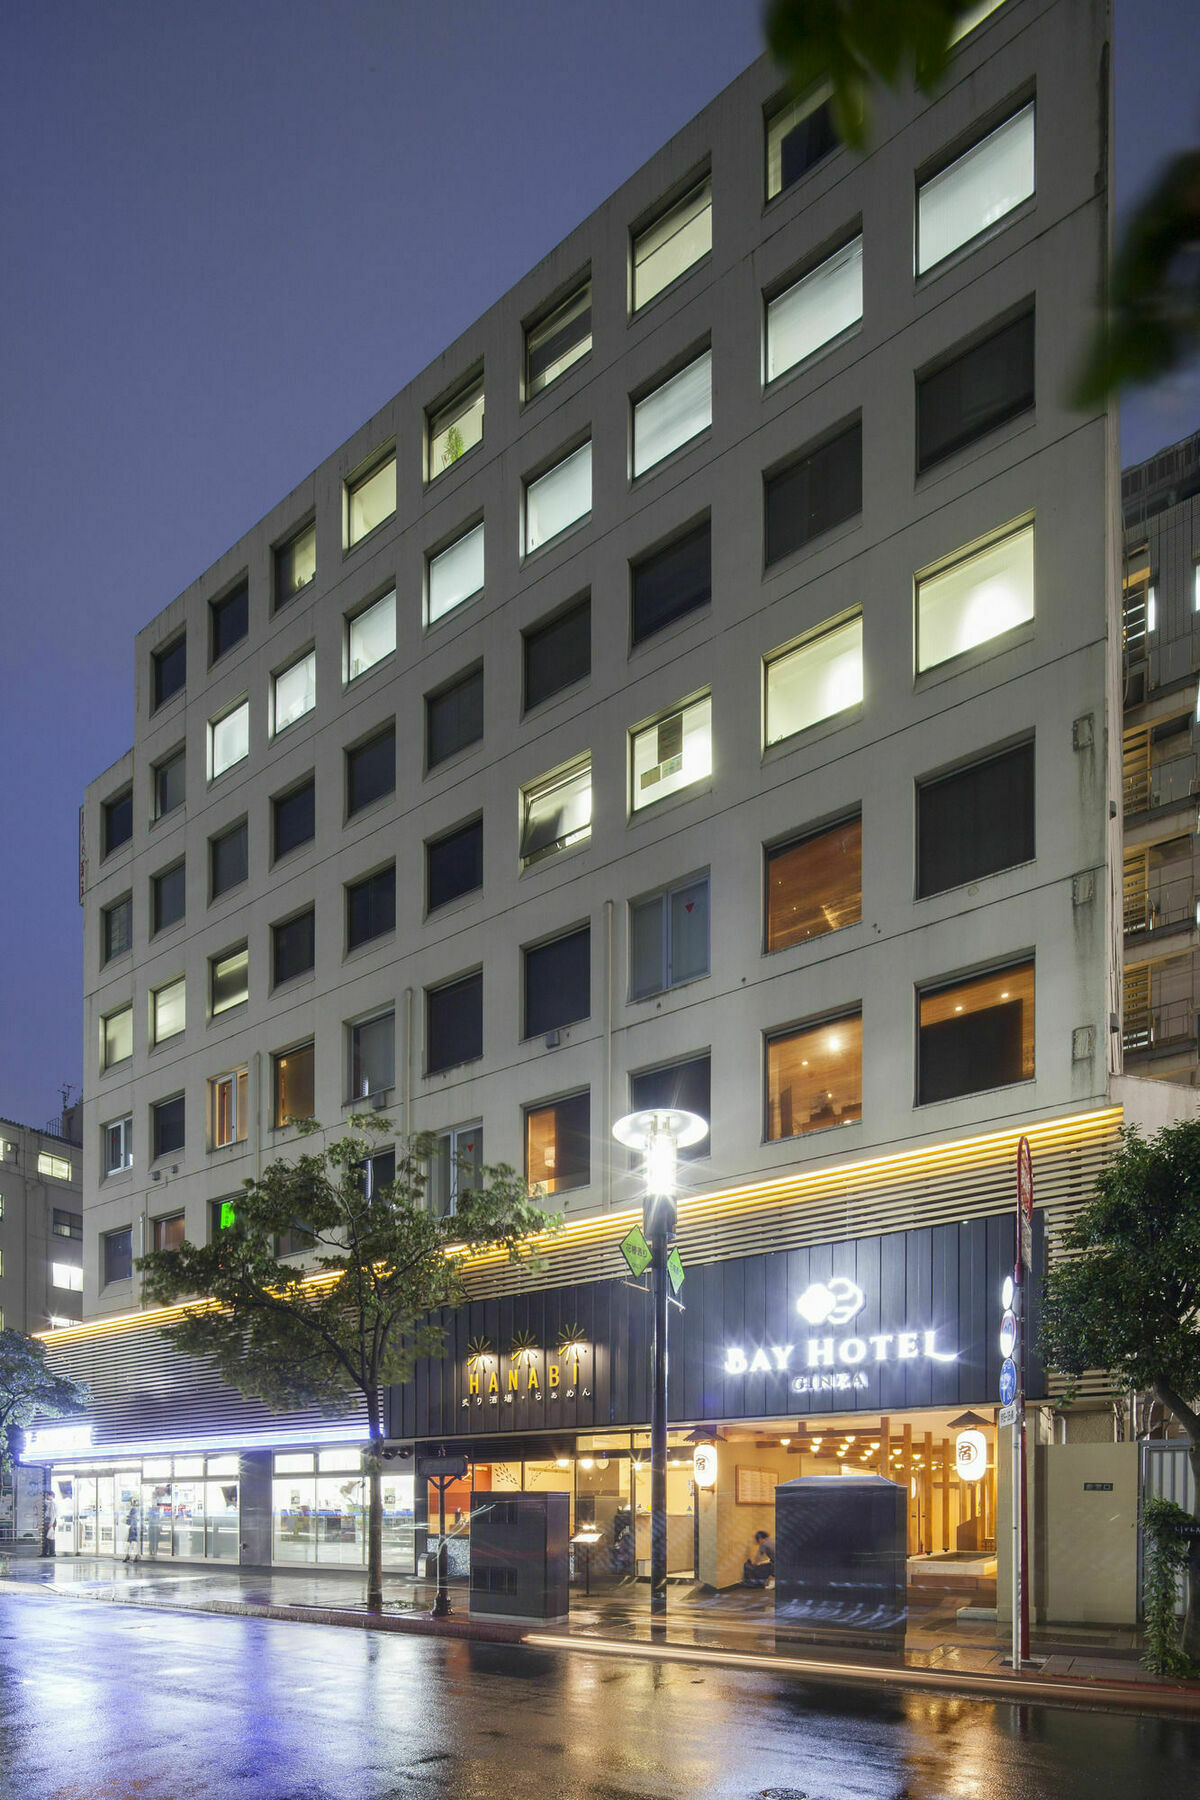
833,1302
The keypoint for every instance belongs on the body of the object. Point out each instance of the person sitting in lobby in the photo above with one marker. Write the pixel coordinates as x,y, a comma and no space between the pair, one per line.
758,1570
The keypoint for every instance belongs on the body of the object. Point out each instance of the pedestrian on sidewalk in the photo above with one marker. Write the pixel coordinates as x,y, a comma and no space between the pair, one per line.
758,1570
132,1536
49,1521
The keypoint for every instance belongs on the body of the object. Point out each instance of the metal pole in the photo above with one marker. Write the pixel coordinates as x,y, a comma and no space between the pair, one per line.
1023,1639
658,1411
441,1603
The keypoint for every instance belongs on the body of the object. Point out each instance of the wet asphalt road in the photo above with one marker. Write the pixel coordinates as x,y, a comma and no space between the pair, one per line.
100,1703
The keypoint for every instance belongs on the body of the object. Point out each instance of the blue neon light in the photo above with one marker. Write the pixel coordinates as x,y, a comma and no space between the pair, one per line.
262,1440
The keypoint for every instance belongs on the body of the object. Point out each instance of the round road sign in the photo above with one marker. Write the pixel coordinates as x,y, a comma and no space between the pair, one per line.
1025,1179
1008,1381
1008,1334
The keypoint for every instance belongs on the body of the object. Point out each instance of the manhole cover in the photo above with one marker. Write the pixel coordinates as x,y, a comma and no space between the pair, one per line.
782,1794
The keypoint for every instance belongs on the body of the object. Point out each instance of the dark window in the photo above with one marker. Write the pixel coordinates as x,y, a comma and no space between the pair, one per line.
292,951
169,1233
67,1224
804,146
819,490
976,1034
295,565
228,859
118,928
975,821
170,784
454,1023
371,907
371,770
117,821
293,819
973,392
814,884
454,865
168,897
453,718
686,1085
558,982
671,582
558,653
372,1056
378,1172
558,1144
230,620
169,666
167,1118
118,1255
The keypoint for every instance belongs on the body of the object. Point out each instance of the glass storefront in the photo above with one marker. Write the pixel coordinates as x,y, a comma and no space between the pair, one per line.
319,1506
158,1508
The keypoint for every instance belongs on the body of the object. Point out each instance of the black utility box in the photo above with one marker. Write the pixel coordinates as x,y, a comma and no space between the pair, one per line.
841,1570
519,1555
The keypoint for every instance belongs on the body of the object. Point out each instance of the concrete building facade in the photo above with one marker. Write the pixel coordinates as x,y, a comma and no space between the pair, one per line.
41,1224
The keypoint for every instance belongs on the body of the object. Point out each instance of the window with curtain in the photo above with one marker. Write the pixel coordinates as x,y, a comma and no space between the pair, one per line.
557,652
976,190
370,907
672,413
972,391
672,581
295,691
454,1023
558,340
228,739
228,859
667,247
454,717
976,1034
558,982
815,310
455,574
372,1056
558,499
371,770
371,635
821,488
168,1010
454,865
371,498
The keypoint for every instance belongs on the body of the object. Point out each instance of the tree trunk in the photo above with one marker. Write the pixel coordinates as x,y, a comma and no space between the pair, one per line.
1191,1618
373,1462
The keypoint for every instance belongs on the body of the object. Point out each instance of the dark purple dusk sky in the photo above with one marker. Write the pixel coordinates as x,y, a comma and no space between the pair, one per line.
230,232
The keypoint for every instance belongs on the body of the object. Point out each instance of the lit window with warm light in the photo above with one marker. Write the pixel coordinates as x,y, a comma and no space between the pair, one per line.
815,680
976,1034
370,498
558,1144
229,1108
454,427
814,884
814,1077
975,598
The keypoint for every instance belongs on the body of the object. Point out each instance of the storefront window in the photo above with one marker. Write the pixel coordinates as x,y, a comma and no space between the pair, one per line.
163,1508
321,1505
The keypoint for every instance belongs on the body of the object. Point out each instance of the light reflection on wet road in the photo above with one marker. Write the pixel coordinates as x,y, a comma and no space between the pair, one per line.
101,1703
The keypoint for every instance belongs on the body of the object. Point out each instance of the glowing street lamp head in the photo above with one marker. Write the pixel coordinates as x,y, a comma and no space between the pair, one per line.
658,1133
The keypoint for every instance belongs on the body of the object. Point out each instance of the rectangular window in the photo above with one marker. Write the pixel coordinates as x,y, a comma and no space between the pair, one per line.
228,859
558,982
558,341
976,1034
169,1233
116,1036
70,1224
229,979
228,620
293,947
558,1144
684,1085
222,1215
293,818
295,564
455,1168
454,865
673,413
370,499
371,907
371,635
294,691
820,678
169,666
228,739
672,753
668,938
975,821
454,718
68,1276
456,574
117,1137
116,821
975,390
170,784
814,884
671,582
977,598
555,500
557,653
55,1168
556,811
814,1077
167,1121
983,185
454,1023
168,1010
116,929
371,770
293,1084
821,489
118,1255
815,310
665,249
229,1102
372,1056
168,897
378,1172
455,428
799,136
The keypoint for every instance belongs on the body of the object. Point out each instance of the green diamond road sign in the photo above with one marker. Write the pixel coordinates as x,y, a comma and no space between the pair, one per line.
675,1270
636,1250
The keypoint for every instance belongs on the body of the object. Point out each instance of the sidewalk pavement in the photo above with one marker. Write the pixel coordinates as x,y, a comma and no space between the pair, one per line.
1080,1666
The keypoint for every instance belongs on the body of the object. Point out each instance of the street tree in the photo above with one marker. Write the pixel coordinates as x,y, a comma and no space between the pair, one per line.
1150,322
361,1309
1124,1295
29,1390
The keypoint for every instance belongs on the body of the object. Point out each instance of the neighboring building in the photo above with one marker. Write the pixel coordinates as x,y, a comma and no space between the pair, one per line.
1161,775
41,1223
700,685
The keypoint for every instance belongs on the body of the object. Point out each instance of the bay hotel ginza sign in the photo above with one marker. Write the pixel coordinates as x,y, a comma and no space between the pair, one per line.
831,1361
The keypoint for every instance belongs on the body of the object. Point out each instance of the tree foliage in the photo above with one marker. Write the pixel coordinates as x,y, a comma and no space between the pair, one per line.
29,1390
1167,1529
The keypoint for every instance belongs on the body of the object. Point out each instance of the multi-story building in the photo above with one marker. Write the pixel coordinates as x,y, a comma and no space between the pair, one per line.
1161,499
700,685
41,1223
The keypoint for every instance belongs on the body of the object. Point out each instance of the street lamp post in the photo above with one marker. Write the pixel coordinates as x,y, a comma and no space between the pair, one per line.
658,1133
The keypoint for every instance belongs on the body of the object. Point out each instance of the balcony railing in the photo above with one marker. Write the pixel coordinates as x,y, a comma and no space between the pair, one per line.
1158,908
1165,784
1174,1021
